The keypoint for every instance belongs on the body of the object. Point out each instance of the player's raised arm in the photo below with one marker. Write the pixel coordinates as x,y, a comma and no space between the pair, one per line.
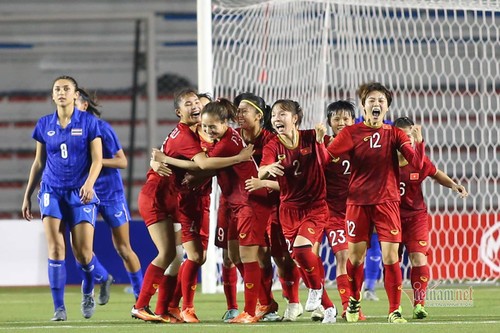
446,181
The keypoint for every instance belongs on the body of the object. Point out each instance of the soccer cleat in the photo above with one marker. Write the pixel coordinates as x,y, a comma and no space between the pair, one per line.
352,313
330,315
262,310
419,312
396,317
88,305
175,312
314,299
370,295
105,290
362,317
318,314
145,314
60,314
165,318
244,318
189,316
293,311
271,317
230,314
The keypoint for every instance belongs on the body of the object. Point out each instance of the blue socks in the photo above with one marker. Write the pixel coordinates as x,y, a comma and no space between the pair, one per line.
100,273
87,273
372,263
136,281
57,281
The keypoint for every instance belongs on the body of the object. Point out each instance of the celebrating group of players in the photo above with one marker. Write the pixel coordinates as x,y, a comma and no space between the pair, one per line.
282,189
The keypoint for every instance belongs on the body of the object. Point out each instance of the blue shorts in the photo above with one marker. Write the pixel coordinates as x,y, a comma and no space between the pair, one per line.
115,214
66,205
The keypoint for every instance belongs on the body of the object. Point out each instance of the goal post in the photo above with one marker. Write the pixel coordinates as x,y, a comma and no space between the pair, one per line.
441,60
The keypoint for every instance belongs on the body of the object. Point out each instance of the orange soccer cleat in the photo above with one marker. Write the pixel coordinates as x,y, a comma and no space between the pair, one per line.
244,318
189,316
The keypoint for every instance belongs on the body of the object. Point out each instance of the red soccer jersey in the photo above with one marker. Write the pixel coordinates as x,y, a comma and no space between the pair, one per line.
412,198
184,144
258,144
304,181
337,175
374,161
232,179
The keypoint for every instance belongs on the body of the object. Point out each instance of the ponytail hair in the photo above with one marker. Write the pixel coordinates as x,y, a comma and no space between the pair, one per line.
91,101
221,108
260,105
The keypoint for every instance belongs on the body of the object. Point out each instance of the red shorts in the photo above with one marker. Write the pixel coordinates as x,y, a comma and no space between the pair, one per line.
223,218
192,214
336,232
157,201
306,222
360,220
251,221
416,233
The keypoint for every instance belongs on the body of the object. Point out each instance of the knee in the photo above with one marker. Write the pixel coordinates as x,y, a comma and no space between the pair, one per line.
226,262
57,251
123,251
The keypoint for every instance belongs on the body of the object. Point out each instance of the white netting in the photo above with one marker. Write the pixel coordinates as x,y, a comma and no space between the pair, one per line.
441,59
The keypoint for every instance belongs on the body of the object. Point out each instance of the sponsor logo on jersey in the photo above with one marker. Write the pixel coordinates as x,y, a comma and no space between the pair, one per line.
249,285
423,278
54,265
119,214
306,151
335,159
311,231
394,232
51,133
76,132
422,243
366,138
243,235
342,291
87,210
400,287
193,287
414,176
349,278
309,270
155,285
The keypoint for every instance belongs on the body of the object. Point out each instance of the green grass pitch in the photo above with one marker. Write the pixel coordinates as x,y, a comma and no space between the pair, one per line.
29,309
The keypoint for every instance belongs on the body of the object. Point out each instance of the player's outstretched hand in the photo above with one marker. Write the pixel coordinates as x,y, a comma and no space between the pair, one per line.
462,192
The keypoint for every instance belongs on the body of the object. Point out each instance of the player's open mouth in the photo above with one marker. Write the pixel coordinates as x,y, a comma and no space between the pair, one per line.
279,127
376,112
195,114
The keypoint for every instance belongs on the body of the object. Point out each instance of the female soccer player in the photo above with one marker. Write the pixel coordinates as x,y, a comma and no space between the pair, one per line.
340,114
414,217
112,206
246,208
296,158
373,197
254,119
68,160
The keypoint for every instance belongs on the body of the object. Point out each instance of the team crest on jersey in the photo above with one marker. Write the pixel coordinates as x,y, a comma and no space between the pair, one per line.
51,133
335,159
366,138
414,176
76,132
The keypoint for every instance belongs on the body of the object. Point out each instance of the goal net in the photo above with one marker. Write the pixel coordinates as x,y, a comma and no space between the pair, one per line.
440,58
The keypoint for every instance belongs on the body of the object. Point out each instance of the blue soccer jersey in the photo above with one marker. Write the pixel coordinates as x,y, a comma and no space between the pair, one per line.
109,185
68,149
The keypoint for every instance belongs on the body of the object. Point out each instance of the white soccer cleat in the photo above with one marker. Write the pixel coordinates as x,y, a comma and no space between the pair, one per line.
330,316
293,311
318,314
314,299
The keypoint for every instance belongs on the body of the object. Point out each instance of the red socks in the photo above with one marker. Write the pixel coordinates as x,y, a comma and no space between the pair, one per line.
189,281
308,262
355,275
252,281
344,288
151,282
229,280
393,283
419,280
